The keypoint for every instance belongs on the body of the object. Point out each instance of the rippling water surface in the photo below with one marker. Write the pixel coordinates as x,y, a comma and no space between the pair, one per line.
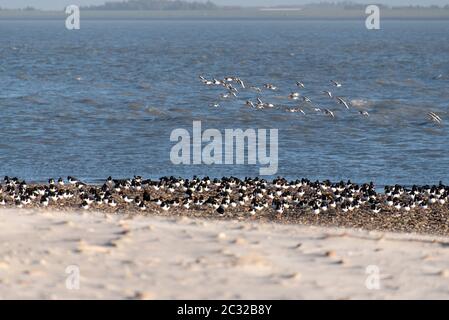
103,100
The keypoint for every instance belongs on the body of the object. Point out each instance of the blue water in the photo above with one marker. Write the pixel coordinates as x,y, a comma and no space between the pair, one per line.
103,100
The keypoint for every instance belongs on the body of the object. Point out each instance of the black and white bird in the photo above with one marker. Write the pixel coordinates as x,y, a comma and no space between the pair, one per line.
328,93
336,83
434,117
300,84
342,101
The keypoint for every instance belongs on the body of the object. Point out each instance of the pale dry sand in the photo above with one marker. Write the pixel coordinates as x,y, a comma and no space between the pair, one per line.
162,258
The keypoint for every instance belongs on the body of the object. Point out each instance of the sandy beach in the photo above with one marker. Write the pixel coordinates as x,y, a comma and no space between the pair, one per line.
149,257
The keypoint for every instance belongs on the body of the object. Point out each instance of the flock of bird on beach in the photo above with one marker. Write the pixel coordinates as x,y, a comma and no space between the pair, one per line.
241,196
233,84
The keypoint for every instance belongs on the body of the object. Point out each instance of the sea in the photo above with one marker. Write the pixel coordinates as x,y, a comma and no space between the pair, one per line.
103,100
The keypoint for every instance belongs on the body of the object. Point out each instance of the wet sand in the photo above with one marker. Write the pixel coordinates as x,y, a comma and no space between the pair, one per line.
127,256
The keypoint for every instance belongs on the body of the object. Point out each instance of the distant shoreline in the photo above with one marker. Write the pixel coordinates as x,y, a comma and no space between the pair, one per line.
233,14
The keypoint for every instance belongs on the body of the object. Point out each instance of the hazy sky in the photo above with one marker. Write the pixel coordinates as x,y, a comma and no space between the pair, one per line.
58,4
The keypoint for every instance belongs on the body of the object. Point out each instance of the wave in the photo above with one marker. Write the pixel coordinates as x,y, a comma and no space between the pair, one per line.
360,103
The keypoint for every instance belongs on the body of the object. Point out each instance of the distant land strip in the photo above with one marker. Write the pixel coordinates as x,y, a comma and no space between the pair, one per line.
306,13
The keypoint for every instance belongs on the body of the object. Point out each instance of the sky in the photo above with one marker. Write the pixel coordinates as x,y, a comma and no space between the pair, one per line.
59,4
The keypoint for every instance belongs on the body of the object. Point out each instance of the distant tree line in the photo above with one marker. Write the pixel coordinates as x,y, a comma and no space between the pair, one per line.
349,5
154,5
209,5
28,8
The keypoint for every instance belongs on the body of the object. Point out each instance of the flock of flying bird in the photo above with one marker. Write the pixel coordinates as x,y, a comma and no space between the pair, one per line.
228,194
233,84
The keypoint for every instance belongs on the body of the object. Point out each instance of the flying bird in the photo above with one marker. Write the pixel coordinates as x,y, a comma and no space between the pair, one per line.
329,113
329,94
306,99
434,117
364,113
300,84
294,96
270,86
341,101
240,82
337,84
